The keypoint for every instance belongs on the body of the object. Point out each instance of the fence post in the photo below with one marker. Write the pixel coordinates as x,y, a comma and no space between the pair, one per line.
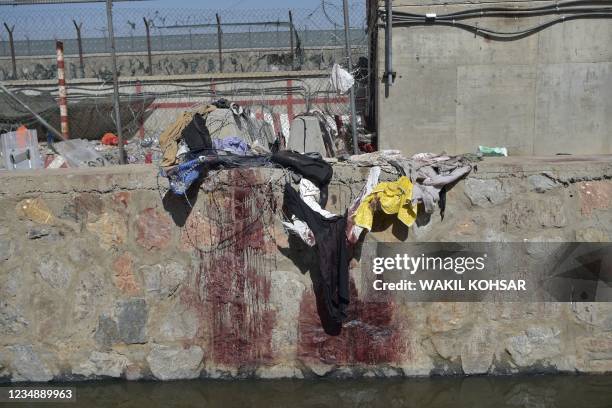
12,47
291,34
220,42
278,43
61,88
109,21
80,44
349,65
149,59
335,34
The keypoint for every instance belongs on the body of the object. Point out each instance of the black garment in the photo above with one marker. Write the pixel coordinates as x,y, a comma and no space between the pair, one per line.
332,248
222,103
196,134
316,170
227,160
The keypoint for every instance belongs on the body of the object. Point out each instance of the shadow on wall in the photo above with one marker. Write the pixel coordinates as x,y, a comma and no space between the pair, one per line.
180,206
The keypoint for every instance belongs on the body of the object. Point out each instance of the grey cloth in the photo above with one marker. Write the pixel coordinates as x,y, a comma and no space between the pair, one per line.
429,174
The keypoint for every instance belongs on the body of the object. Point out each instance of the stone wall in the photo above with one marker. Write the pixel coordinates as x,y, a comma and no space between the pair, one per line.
544,94
104,276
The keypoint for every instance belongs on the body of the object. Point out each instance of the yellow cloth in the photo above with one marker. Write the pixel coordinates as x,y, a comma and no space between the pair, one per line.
394,198
168,140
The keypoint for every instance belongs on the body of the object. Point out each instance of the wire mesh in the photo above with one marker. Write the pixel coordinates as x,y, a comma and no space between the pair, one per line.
251,40
36,28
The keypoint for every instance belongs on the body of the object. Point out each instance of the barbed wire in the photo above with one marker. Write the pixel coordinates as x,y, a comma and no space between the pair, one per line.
35,31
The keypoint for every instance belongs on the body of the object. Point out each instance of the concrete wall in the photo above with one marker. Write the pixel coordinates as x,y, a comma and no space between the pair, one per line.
110,278
545,94
177,63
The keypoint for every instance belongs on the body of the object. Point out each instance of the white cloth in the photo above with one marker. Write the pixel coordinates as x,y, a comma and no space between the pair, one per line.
310,195
300,228
354,231
341,80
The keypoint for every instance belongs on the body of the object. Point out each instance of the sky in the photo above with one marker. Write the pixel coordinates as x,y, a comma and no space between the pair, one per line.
44,21
232,4
206,4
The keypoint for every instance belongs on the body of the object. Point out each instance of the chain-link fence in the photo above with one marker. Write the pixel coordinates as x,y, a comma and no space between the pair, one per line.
156,47
192,40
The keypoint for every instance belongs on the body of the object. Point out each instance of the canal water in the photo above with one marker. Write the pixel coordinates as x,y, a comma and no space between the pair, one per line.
469,392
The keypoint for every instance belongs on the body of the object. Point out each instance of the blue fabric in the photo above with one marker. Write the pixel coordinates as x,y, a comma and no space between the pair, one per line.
184,175
232,144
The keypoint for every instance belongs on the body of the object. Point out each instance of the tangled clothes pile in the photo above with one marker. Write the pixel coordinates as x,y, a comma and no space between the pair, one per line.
422,184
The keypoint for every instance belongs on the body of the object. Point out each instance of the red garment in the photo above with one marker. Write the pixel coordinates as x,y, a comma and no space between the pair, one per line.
110,139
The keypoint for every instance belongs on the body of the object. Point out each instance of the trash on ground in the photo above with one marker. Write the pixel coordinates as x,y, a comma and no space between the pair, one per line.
341,80
80,153
493,151
19,150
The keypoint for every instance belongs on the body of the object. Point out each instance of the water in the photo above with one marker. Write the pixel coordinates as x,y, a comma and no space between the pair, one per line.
473,392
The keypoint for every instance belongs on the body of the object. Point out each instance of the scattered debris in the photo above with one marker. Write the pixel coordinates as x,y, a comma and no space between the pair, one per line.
492,151
19,150
341,80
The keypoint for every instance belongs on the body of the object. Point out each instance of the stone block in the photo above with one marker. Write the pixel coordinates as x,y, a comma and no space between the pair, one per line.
153,229
536,345
55,273
28,365
541,183
524,213
131,320
486,192
106,333
100,364
175,363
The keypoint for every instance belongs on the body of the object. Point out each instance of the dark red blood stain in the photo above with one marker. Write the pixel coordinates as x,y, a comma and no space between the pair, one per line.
234,296
121,198
369,335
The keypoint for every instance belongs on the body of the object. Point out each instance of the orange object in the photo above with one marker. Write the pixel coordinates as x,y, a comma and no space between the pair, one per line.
110,139
21,136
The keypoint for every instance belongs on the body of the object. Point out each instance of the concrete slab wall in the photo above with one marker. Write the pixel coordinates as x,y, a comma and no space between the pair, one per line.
544,94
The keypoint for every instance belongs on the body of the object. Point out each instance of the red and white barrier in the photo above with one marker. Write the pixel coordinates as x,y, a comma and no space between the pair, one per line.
61,86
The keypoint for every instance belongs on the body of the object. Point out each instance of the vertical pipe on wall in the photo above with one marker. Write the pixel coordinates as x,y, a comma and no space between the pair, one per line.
109,21
389,74
349,65
61,87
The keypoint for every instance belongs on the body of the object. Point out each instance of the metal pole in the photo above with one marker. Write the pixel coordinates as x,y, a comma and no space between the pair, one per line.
389,74
349,65
61,89
291,34
149,58
12,47
220,42
42,121
80,44
109,20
